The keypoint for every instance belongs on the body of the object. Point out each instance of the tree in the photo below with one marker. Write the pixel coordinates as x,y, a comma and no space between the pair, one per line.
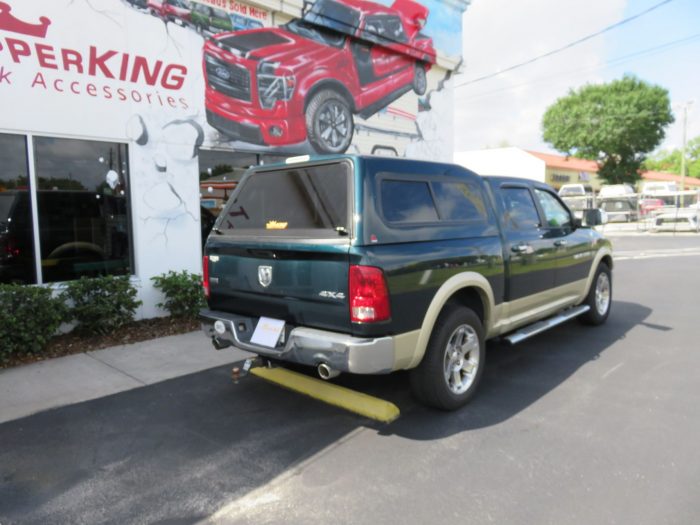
670,160
219,169
615,124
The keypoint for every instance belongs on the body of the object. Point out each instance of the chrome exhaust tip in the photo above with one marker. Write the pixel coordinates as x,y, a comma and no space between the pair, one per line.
326,372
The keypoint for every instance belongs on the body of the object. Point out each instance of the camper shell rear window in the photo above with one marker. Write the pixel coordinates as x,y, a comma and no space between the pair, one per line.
294,201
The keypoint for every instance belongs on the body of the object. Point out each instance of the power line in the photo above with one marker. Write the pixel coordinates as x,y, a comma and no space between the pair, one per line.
565,47
611,63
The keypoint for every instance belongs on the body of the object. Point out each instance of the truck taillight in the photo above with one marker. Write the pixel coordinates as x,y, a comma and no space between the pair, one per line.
205,276
369,296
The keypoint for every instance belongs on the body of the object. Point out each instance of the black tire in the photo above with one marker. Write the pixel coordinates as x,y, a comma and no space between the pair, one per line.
329,122
431,381
599,297
420,80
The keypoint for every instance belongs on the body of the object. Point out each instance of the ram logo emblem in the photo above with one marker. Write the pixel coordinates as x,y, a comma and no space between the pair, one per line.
265,276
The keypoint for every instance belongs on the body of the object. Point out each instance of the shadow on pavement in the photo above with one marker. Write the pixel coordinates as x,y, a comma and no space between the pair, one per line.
175,452
515,377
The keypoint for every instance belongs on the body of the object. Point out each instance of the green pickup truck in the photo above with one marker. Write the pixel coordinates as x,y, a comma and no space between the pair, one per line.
370,265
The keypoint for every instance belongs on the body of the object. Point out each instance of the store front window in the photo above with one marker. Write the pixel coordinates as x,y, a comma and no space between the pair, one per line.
17,264
81,191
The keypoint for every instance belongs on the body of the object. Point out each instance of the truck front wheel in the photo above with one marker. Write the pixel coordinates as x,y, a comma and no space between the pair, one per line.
599,297
329,122
453,364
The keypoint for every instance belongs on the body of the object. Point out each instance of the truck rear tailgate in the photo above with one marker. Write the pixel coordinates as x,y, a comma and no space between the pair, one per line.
280,248
301,284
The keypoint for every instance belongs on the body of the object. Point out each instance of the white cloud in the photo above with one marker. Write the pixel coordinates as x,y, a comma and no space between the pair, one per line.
501,33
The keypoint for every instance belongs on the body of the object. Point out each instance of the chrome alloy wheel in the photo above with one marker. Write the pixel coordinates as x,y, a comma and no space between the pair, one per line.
602,293
461,359
334,124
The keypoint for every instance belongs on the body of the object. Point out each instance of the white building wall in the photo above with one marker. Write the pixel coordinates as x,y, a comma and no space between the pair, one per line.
163,120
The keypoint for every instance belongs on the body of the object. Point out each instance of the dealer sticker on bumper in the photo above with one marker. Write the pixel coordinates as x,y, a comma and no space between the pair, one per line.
267,332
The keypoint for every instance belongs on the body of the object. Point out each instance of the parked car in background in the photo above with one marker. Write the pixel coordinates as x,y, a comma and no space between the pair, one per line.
211,20
620,202
667,192
154,6
578,197
656,188
177,11
143,4
650,205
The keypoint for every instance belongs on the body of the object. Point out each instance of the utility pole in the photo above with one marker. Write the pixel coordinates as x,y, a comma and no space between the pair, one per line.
685,140
685,126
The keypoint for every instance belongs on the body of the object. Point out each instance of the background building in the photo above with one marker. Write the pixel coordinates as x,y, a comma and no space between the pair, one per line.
555,170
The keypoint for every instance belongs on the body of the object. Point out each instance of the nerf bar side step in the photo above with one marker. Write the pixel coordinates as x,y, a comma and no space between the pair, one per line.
540,326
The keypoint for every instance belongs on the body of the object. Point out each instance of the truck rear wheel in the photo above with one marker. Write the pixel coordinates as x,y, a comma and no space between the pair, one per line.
599,297
453,364
329,122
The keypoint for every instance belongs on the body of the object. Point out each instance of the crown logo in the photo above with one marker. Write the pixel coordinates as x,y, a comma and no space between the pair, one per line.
9,23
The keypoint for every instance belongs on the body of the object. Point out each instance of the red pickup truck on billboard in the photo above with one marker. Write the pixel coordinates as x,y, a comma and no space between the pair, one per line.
306,79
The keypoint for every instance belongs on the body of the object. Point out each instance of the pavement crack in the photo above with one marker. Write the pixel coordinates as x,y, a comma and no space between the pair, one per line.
117,369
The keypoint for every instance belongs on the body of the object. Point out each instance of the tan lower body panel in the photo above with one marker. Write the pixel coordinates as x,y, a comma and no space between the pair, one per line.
532,308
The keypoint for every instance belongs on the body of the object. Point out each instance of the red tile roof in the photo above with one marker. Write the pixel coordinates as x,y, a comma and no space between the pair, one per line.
670,177
571,163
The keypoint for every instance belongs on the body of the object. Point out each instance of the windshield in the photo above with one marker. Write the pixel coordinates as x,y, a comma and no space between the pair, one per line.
312,199
316,33
566,192
616,190
333,15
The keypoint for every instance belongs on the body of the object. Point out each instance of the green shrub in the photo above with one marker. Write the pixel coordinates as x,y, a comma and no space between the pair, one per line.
101,305
183,293
29,317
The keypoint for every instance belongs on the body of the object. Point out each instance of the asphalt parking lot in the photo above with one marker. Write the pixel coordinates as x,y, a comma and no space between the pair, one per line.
578,425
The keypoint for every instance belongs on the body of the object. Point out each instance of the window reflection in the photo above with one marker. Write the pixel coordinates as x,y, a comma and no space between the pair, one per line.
16,240
83,209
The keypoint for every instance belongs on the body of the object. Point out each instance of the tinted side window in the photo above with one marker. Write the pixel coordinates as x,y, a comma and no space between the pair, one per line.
407,201
557,215
520,210
459,201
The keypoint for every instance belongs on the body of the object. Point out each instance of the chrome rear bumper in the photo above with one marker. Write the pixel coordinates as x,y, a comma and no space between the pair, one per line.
306,346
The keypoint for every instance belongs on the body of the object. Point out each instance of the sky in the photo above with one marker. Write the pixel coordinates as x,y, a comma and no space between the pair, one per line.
508,108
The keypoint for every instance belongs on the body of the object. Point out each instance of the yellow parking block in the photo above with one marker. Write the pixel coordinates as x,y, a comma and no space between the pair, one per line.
368,406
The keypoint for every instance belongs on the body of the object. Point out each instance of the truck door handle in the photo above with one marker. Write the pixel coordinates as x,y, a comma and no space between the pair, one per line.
519,248
560,242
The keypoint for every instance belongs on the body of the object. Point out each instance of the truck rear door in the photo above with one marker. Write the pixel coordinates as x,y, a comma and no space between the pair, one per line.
530,254
280,248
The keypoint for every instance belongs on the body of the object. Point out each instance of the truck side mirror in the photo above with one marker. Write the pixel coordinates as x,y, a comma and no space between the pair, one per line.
594,217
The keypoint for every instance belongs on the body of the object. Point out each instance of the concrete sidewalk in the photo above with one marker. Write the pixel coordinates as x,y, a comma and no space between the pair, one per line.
28,389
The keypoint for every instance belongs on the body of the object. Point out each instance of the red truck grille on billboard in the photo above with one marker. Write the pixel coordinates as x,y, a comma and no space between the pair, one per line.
230,79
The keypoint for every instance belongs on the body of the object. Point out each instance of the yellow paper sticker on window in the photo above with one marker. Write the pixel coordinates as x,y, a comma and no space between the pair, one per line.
276,225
